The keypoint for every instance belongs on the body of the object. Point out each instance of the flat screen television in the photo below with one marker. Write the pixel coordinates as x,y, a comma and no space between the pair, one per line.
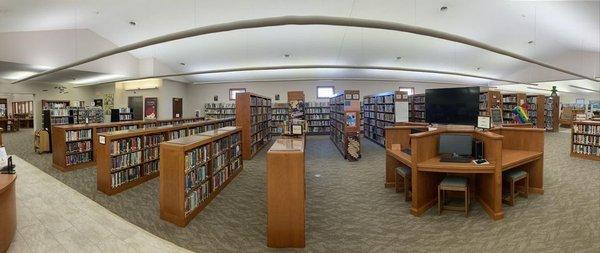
456,106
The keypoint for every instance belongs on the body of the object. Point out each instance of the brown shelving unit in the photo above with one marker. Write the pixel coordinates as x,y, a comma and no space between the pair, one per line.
219,110
253,115
317,116
195,169
344,136
279,115
509,101
585,140
489,100
72,147
535,110
379,111
551,113
416,108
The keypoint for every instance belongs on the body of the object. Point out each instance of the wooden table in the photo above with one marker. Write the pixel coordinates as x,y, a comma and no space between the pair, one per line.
286,193
8,210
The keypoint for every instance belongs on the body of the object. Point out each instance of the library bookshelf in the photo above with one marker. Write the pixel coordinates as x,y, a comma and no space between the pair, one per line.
317,116
416,107
489,100
585,140
219,110
194,170
345,123
379,112
535,110
121,114
253,115
73,154
279,115
551,113
509,102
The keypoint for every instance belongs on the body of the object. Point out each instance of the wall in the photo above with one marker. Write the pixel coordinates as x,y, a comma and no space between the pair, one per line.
165,92
203,93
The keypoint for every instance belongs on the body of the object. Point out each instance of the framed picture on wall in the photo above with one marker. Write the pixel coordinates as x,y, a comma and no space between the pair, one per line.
98,102
109,103
151,107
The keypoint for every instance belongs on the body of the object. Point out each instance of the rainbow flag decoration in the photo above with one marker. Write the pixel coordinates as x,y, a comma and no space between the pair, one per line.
520,115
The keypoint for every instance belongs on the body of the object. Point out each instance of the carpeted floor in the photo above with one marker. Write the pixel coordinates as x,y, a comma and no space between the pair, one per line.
349,210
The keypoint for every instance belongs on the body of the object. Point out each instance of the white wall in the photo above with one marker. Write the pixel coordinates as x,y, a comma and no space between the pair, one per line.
200,94
166,91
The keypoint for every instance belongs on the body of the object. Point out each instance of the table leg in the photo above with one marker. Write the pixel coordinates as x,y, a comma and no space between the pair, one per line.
424,190
390,171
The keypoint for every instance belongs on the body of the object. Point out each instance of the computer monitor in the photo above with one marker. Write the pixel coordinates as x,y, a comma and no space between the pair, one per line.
459,144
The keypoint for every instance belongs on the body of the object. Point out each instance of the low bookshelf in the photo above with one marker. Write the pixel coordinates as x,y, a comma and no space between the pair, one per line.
509,102
195,169
535,110
489,100
219,110
416,108
75,150
253,115
379,112
317,115
585,140
279,115
551,113
345,123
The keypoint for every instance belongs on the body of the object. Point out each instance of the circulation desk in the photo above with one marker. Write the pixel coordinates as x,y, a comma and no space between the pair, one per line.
505,148
8,210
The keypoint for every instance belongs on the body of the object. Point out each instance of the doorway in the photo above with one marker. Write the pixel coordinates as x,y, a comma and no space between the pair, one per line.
177,108
137,104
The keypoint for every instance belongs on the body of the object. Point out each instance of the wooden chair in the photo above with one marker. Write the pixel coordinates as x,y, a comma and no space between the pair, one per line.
452,183
404,173
512,177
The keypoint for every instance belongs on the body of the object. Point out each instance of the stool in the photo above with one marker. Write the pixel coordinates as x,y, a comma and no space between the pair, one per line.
452,183
512,177
403,172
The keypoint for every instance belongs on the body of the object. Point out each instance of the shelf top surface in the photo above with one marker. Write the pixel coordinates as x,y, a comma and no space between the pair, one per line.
288,144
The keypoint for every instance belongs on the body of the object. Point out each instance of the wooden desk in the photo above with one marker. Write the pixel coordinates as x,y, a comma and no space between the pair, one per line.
505,148
8,210
12,122
286,193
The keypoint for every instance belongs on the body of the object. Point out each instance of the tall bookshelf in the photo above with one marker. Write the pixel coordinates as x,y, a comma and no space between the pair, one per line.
279,115
253,114
551,113
536,110
82,115
195,169
585,140
219,110
509,102
416,107
489,100
54,113
317,115
379,112
121,114
345,123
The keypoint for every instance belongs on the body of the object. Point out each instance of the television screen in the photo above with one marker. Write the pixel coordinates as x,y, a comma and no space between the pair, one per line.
457,106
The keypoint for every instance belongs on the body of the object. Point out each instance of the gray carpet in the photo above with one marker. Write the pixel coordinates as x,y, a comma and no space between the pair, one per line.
349,210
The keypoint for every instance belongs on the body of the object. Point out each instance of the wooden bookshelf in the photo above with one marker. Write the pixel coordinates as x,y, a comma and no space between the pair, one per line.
568,115
121,114
195,169
509,102
317,116
585,140
72,148
489,100
279,115
219,110
253,115
64,149
535,110
551,113
345,123
379,112
416,108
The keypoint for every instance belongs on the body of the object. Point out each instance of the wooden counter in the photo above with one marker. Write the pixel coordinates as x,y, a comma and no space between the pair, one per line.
8,210
286,193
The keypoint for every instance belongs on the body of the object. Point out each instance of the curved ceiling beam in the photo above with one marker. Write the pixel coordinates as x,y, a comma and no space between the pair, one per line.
303,20
288,67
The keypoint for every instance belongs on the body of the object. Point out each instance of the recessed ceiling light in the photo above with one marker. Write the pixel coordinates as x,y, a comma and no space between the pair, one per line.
287,55
97,12
477,68
182,63
132,23
530,42
444,8
398,58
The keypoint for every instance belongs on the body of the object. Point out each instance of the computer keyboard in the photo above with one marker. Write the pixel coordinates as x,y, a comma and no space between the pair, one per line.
455,159
407,151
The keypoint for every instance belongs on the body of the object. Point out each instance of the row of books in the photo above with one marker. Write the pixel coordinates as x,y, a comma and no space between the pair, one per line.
386,117
258,127
106,129
83,134
219,178
388,99
125,110
219,162
153,140
318,123
55,105
220,146
509,99
131,127
194,177
177,134
257,101
78,147
196,197
417,99
125,145
586,129
236,151
280,117
150,167
586,139
323,110
586,150
59,112
151,154
59,121
259,110
126,160
317,117
236,165
259,118
259,140
313,129
78,158
276,111
125,176
235,138
227,112
124,117
196,156
316,104
84,115
219,105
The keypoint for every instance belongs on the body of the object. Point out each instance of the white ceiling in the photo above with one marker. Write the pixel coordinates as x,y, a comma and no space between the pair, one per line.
555,26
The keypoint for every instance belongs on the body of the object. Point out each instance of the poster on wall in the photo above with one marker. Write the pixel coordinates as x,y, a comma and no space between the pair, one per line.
109,103
151,108
98,102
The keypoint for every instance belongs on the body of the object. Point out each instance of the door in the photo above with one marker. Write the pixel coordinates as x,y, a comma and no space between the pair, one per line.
137,104
177,107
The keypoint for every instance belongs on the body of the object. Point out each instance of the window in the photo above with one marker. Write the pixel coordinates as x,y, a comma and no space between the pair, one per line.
233,92
409,90
324,91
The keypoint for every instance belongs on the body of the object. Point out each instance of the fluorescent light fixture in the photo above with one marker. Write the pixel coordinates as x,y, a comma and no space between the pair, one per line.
96,79
141,88
583,88
534,88
18,75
